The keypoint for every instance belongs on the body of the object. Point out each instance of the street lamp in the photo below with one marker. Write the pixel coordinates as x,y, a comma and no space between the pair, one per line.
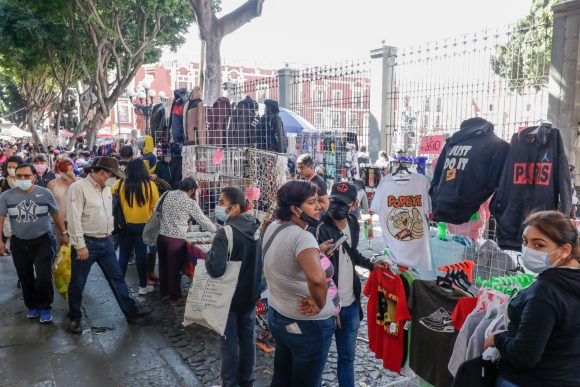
145,94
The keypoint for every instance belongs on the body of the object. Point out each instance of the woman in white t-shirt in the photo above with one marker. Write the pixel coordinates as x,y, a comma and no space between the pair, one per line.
302,314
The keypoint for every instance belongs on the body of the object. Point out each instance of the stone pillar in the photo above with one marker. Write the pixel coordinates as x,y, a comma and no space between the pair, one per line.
381,119
285,87
564,85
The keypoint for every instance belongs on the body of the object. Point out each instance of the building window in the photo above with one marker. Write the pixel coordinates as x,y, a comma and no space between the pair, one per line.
358,98
336,95
318,120
124,111
336,120
427,104
438,121
319,95
438,104
182,82
426,121
490,107
353,120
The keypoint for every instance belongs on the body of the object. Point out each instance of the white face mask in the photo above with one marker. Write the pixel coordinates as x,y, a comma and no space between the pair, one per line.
537,261
111,182
24,184
11,172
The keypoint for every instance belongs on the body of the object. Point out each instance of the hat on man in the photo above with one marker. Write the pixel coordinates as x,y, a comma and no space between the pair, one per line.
110,164
344,191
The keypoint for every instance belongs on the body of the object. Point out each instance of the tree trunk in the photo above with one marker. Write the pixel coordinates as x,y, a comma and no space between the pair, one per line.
213,69
32,119
93,129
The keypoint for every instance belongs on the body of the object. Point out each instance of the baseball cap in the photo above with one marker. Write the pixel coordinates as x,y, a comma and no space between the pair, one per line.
344,191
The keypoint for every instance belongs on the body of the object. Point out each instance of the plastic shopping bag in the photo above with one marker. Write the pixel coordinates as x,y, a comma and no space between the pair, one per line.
61,270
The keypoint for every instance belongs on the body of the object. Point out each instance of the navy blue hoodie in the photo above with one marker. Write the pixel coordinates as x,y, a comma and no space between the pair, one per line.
535,177
467,172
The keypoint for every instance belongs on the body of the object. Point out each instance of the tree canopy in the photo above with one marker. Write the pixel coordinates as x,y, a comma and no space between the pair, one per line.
524,61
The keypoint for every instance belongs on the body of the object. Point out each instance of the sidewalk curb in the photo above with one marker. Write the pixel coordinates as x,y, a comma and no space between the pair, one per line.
182,371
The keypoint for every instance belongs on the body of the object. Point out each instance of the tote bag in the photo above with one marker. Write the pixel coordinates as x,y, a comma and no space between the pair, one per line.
153,225
209,299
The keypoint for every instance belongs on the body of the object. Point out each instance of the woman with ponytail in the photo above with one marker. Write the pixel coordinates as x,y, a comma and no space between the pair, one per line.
542,344
238,348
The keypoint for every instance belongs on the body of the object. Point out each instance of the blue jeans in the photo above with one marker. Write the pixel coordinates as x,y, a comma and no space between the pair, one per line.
238,349
345,337
102,252
502,382
131,239
300,358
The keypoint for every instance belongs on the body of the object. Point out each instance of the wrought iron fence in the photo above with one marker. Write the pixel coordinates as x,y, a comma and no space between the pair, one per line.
259,89
334,98
499,75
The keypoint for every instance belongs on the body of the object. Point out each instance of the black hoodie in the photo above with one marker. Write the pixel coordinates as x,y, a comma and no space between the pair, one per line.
542,344
246,251
271,133
535,177
467,172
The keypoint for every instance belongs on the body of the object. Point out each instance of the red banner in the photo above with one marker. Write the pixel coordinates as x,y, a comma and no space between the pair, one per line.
431,145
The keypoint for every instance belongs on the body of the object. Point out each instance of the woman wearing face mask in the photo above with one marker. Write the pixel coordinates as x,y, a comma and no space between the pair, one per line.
65,176
43,175
238,347
542,344
178,207
9,172
301,314
138,196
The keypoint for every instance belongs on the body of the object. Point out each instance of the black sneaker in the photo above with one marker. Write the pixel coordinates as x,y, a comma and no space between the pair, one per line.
75,327
139,314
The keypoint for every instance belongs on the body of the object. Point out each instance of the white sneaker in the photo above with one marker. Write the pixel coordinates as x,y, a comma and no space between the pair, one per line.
146,290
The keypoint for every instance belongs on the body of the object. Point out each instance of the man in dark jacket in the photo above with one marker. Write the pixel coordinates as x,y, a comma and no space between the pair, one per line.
335,223
238,347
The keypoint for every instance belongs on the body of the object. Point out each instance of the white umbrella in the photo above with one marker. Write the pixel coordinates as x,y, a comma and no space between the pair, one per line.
14,132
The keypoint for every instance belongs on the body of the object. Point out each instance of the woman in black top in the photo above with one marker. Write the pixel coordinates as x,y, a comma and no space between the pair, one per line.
542,344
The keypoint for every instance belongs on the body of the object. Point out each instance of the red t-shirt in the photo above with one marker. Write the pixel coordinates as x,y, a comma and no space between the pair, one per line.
463,308
387,313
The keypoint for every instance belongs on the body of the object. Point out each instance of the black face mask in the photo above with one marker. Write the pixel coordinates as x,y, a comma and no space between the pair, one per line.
308,219
338,210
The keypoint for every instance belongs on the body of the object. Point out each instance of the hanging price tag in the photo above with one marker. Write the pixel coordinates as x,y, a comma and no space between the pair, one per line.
218,155
431,145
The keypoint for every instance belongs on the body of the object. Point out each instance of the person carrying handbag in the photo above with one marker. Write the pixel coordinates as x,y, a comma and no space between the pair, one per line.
237,346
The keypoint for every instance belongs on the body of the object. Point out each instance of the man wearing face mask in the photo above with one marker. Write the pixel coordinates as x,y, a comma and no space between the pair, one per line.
43,175
541,346
28,207
90,224
335,223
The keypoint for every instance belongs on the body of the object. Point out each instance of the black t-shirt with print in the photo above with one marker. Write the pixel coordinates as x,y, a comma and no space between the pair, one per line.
433,335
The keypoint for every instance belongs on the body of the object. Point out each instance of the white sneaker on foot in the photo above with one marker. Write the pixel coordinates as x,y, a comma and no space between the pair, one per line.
146,290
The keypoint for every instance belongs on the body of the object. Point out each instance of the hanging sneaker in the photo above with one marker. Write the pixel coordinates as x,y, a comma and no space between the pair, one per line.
146,290
32,313
45,316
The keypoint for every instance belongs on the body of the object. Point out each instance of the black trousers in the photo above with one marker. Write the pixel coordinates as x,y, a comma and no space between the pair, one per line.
33,262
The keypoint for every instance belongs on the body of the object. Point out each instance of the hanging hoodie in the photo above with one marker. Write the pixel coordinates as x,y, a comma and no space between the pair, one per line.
217,117
149,157
194,122
467,172
243,123
158,123
271,134
176,125
535,177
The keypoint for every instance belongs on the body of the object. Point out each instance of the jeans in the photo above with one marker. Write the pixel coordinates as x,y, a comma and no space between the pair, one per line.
300,358
101,251
172,254
131,239
238,349
33,263
345,337
502,382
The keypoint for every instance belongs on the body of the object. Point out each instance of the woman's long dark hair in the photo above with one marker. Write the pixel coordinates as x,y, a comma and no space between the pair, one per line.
137,183
293,193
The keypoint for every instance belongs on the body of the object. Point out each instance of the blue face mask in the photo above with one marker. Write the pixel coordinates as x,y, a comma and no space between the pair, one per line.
220,213
24,184
537,261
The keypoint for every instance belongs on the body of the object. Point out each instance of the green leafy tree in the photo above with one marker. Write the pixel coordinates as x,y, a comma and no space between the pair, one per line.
114,38
11,100
524,61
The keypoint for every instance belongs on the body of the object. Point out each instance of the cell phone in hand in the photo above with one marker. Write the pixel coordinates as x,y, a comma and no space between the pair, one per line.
336,245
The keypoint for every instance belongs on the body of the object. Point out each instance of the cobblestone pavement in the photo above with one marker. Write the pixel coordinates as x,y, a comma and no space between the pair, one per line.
199,347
